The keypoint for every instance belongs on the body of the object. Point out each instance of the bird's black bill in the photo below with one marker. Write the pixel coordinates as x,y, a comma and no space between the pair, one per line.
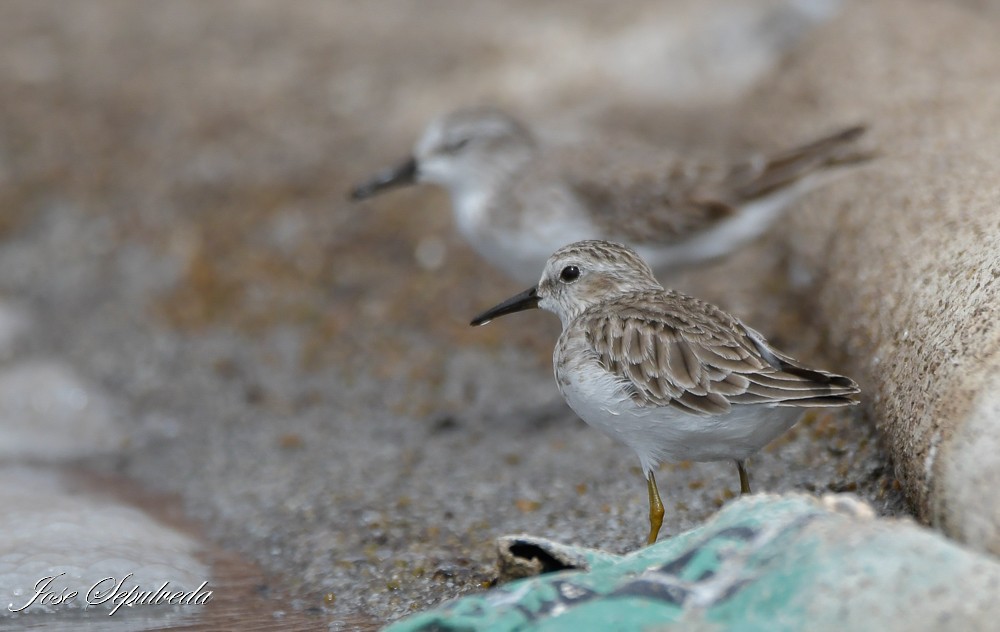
399,175
527,299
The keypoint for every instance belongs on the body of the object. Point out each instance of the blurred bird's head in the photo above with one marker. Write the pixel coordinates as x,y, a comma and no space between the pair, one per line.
462,151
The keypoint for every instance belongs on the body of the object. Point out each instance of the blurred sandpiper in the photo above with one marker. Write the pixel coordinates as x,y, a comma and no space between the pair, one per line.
516,200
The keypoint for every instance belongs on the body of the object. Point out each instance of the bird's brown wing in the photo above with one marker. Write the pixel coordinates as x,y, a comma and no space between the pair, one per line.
673,350
641,198
665,199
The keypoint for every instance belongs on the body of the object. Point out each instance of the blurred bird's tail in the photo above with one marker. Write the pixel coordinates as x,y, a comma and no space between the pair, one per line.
768,174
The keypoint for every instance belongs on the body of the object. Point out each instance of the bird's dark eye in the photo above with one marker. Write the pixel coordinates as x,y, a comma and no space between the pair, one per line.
455,145
569,274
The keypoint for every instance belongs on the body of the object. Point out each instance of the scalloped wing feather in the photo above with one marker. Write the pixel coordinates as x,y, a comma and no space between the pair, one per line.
673,350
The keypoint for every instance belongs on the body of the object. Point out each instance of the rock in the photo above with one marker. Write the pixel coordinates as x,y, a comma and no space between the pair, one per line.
47,411
80,541
15,324
764,562
904,257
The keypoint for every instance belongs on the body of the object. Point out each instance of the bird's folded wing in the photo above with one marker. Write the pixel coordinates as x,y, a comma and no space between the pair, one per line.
663,202
702,365
663,199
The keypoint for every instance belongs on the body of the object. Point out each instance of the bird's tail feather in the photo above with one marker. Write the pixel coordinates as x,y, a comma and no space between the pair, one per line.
765,175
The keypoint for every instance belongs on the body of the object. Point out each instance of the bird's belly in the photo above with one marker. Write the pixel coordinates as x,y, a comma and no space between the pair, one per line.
668,434
519,241
519,254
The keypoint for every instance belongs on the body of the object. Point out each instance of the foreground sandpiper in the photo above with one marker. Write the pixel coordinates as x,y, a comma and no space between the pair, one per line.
516,200
672,377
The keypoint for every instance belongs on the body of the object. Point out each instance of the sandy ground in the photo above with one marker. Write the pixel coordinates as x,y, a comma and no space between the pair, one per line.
172,208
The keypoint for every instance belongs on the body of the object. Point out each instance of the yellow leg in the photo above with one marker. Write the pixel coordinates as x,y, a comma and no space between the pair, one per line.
655,509
744,477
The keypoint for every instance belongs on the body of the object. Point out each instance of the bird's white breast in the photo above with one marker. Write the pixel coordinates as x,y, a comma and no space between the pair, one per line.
518,234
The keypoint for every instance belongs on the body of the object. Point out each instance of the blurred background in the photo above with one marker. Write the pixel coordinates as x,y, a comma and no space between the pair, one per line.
195,319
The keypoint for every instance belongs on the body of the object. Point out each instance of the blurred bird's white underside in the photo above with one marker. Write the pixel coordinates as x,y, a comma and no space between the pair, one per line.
522,250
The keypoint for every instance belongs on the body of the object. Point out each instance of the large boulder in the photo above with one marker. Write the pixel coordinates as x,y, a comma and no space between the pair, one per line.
902,260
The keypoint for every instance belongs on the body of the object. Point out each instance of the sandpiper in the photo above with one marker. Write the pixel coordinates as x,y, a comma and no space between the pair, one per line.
516,200
672,377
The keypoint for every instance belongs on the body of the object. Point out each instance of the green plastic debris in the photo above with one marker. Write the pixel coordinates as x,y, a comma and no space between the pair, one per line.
764,563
